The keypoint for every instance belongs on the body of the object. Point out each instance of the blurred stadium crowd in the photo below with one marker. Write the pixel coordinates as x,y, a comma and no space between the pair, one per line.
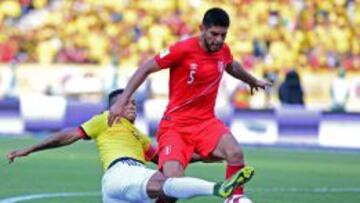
274,35
60,57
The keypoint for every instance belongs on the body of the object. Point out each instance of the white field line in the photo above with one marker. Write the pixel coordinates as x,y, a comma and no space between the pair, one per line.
282,190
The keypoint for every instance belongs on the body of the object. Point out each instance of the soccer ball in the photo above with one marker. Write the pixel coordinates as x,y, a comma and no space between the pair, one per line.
238,199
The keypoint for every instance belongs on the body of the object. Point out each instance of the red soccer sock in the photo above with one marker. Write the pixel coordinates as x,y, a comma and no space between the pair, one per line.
231,170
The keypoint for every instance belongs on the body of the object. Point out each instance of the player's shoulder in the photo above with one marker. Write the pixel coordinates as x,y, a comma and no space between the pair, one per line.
187,42
103,113
180,47
101,116
226,47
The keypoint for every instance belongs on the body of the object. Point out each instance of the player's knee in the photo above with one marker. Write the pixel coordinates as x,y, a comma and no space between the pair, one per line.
173,172
234,155
173,169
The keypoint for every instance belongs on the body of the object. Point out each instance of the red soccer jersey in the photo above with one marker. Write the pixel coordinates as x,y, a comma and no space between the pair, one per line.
195,76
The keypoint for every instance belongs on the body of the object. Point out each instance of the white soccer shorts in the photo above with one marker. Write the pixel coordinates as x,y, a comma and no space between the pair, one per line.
125,182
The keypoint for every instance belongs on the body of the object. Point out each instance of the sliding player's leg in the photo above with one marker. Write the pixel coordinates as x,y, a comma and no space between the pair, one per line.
189,187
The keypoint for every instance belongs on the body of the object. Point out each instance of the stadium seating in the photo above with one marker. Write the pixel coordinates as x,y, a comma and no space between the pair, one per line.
78,112
282,35
10,117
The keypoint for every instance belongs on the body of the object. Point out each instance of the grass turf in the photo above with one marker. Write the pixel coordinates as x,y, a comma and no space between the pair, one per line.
282,175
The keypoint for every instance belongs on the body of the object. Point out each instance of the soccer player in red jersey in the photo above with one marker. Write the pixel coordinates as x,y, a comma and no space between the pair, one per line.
189,123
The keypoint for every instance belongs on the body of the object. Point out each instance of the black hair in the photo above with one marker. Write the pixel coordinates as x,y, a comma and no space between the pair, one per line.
113,95
216,17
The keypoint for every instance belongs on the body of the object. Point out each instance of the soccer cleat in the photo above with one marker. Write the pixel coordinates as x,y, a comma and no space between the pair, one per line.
226,188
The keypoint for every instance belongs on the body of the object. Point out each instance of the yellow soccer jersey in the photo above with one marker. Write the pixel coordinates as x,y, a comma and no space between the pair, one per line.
123,139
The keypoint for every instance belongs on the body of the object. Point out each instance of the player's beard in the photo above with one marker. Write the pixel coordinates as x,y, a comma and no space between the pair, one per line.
209,46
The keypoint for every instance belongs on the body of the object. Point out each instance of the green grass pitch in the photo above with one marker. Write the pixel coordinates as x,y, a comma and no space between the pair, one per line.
282,175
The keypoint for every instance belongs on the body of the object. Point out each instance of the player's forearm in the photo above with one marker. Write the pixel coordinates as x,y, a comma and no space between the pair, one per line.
139,77
135,81
237,71
57,140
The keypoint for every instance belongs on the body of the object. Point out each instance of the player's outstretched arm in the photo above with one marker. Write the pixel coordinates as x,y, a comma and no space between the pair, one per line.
135,81
237,71
58,139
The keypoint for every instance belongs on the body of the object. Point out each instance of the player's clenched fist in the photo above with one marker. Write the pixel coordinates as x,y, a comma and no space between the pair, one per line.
117,110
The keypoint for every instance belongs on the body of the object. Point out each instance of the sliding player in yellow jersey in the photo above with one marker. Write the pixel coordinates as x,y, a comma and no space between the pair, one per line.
123,152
